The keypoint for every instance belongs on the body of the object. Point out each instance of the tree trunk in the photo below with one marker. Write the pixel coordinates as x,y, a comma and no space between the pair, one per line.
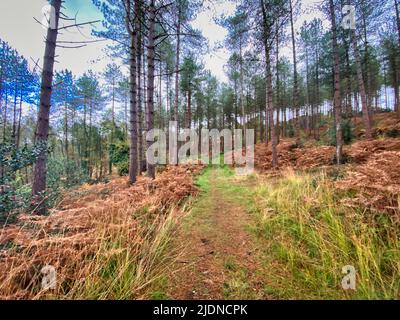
269,92
242,88
168,97
236,105
126,98
42,131
278,85
318,120
85,133
396,89
177,66
295,75
90,164
160,104
66,130
138,14
337,95
308,95
385,84
189,124
19,120
367,80
271,110
396,4
349,107
14,124
113,111
113,125
397,97
361,86
66,144
150,81
5,116
133,155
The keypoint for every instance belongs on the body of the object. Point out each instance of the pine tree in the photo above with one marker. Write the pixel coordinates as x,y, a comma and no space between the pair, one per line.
42,130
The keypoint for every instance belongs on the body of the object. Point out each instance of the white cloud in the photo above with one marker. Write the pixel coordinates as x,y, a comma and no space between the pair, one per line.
19,28
215,34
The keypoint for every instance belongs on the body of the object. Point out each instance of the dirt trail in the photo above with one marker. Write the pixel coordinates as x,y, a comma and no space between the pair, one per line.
217,258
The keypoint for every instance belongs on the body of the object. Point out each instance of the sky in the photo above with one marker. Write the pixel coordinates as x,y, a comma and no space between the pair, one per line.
18,27
215,34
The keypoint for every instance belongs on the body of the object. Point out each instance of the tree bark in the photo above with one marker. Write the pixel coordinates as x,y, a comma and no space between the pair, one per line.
278,85
42,131
85,143
14,124
90,164
66,130
349,107
160,96
138,14
396,4
270,109
396,89
396,97
308,94
361,86
296,92
189,120
269,91
5,116
318,120
367,80
242,87
150,81
337,95
19,119
177,65
133,155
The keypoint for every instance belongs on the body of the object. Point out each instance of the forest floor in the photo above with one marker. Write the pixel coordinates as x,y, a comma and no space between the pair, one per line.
218,253
288,233
278,237
200,232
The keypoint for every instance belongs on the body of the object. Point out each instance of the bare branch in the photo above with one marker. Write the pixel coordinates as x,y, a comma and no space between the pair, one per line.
78,25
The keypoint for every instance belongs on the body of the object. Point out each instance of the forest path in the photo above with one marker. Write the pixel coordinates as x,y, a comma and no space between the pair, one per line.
217,257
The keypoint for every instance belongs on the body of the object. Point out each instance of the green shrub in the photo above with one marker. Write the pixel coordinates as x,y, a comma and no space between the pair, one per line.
119,156
291,132
347,130
123,168
63,174
12,160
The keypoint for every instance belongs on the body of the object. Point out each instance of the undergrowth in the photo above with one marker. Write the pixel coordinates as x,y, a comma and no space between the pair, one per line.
308,236
125,263
101,247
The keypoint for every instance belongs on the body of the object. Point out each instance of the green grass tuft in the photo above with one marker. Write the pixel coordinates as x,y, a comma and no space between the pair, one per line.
311,236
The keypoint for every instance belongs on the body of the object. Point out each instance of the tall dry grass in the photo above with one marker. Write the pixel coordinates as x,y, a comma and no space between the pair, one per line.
105,242
312,234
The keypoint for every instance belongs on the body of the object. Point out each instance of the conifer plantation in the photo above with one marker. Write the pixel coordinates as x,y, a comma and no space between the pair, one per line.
89,96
